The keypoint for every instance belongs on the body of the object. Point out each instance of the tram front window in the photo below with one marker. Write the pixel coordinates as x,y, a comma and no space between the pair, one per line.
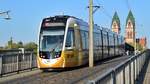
51,43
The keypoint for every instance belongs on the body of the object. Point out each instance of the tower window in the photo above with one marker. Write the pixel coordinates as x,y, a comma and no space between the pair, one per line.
129,25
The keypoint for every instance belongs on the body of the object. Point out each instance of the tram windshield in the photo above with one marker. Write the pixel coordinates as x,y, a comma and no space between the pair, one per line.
52,40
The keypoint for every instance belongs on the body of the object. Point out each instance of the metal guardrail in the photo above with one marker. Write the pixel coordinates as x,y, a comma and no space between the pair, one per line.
126,73
16,61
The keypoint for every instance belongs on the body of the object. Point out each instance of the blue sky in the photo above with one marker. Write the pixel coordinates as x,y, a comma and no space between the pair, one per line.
27,14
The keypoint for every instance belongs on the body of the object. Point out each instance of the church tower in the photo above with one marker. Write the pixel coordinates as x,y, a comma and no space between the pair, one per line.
130,29
115,25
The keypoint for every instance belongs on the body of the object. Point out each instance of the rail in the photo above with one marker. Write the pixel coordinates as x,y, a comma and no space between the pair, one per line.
126,73
16,61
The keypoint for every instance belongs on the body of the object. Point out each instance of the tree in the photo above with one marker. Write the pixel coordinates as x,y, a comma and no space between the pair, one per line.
138,46
10,42
31,45
20,44
13,45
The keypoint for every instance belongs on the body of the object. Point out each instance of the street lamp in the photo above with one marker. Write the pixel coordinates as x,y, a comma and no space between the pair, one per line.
6,13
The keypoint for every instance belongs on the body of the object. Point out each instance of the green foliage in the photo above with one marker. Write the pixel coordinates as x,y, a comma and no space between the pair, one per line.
13,45
31,45
2,48
138,46
10,43
20,44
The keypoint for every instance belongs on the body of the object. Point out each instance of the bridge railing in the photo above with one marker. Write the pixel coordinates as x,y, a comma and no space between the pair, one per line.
16,61
126,73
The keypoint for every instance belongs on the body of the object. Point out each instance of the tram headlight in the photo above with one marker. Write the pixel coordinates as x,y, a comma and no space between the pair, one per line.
42,56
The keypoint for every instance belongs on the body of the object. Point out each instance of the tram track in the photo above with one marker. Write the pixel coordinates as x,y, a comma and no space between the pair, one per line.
27,78
40,78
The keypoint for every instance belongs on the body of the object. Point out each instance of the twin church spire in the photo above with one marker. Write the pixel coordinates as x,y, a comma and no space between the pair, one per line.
115,23
129,28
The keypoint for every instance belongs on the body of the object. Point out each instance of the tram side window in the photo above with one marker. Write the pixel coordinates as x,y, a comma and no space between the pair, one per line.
111,41
86,37
95,40
104,40
70,38
119,43
83,40
122,43
99,40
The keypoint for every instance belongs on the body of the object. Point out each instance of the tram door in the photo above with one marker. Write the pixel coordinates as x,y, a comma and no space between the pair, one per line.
78,48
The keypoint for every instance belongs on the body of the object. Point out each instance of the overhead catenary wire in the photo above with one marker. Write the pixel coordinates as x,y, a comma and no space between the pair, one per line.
106,13
128,5
104,10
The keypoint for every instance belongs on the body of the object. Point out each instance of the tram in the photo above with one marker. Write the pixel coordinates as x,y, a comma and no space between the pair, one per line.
63,43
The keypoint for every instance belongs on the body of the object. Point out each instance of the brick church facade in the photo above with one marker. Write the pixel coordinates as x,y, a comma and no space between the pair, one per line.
130,29
142,41
115,25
